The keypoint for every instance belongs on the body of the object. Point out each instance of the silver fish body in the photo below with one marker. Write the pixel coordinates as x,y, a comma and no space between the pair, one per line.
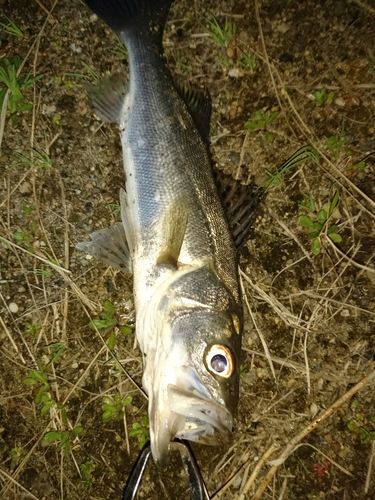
184,264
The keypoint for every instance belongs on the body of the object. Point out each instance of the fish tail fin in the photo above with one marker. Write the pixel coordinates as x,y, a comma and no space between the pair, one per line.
130,17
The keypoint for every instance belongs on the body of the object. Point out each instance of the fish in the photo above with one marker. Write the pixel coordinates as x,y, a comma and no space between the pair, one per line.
174,238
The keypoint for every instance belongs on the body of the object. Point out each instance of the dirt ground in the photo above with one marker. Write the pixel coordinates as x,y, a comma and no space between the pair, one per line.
297,73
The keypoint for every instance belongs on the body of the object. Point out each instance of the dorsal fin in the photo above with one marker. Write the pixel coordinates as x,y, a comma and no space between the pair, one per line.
199,106
239,202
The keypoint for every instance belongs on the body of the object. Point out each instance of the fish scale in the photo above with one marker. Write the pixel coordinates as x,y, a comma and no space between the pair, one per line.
174,238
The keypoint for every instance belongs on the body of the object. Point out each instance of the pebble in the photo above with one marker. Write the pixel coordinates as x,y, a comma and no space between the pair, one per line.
13,307
25,188
345,313
340,101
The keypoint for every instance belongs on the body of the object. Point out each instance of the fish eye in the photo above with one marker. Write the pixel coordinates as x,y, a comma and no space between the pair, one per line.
219,360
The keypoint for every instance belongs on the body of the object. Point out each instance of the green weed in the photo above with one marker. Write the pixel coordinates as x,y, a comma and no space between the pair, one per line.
32,329
362,423
28,210
321,97
302,155
56,46
120,50
42,272
17,454
11,28
243,370
221,35
39,378
23,236
57,349
86,470
107,324
335,143
44,394
92,76
141,431
248,60
114,208
39,159
115,407
64,439
261,121
16,85
353,169
318,225
183,69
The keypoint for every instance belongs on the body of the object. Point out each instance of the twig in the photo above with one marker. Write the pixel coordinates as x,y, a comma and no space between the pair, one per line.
291,446
365,6
11,479
369,470
256,470
262,339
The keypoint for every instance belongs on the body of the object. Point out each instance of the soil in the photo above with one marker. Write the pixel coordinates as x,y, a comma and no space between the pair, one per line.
314,315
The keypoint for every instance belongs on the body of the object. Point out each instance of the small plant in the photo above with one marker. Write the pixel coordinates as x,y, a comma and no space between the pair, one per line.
318,225
47,273
302,155
362,423
353,169
16,85
335,143
221,35
43,396
182,69
114,208
107,323
17,454
92,76
321,469
64,439
39,159
86,470
261,121
243,370
28,210
56,46
11,28
248,61
32,330
23,236
57,349
115,408
120,50
321,97
141,431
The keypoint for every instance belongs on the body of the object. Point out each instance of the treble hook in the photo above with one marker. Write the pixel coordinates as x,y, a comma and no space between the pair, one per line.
198,489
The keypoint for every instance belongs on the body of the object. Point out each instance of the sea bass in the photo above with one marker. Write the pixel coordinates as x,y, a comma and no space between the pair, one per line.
174,238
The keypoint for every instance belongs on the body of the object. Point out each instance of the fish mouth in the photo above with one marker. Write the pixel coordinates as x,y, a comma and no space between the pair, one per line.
206,421
190,415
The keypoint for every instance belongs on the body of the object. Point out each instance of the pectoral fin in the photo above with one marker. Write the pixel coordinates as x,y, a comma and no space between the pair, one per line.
109,245
173,224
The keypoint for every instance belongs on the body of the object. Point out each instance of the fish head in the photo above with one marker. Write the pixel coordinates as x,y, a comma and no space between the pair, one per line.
191,373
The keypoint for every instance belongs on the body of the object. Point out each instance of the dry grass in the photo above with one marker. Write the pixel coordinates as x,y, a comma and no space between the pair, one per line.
286,393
